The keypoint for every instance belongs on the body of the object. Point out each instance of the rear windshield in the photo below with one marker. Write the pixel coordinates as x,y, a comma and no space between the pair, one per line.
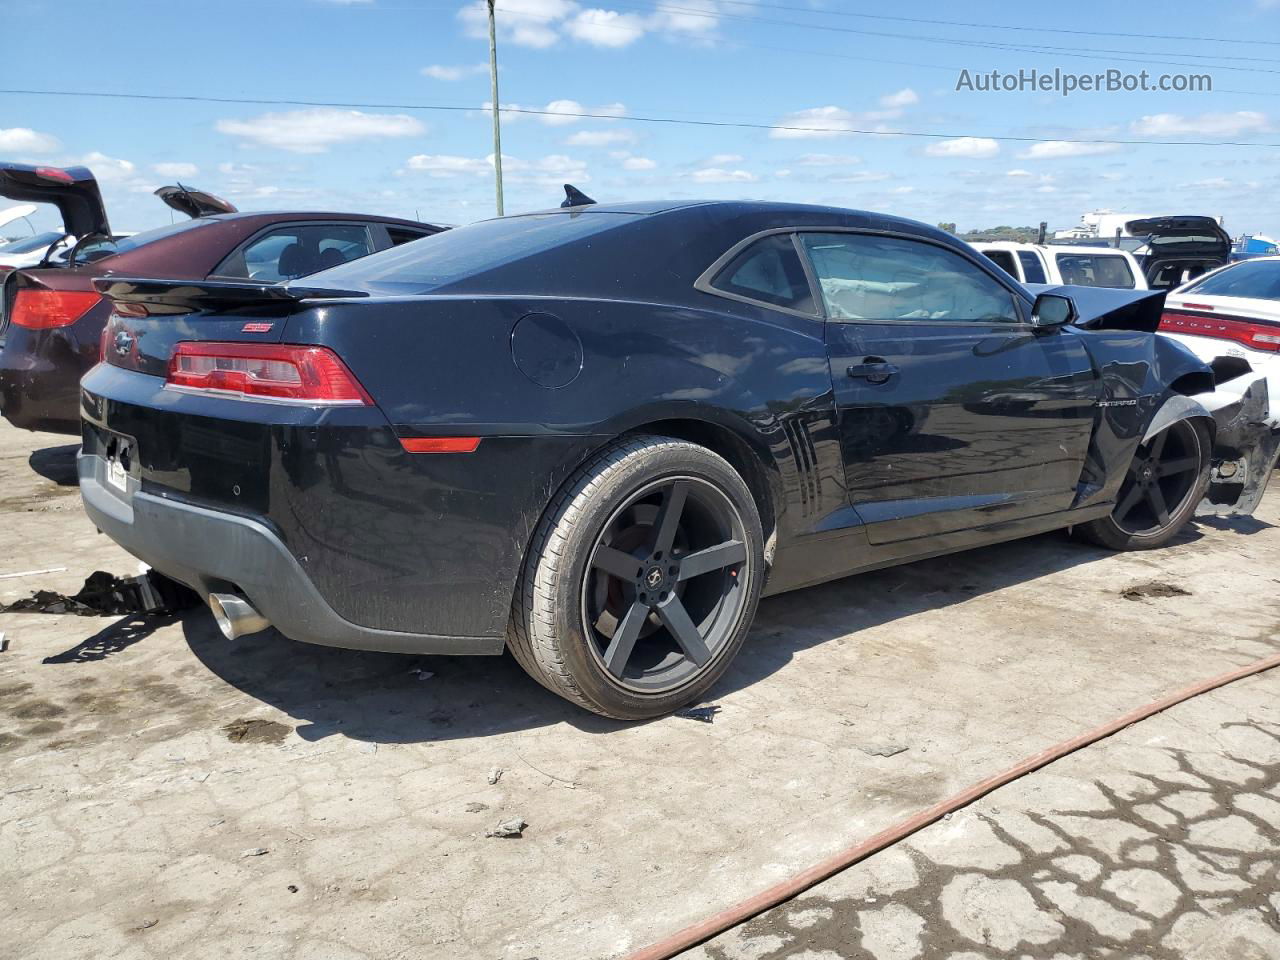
1256,279
97,248
446,258
31,244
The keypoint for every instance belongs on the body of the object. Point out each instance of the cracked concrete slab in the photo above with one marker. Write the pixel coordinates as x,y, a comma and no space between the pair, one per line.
125,807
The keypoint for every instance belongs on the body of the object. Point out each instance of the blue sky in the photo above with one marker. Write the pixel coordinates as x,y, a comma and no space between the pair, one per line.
714,60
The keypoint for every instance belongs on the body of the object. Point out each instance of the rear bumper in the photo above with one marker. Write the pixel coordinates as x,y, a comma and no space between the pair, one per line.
36,394
212,550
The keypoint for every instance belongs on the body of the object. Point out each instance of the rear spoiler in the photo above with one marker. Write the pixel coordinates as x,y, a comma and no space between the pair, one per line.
175,296
1110,308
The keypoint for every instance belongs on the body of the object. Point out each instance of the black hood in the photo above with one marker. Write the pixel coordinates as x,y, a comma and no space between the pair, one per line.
194,203
1110,308
73,190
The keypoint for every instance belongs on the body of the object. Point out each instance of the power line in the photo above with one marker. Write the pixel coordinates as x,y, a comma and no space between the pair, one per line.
1002,26
632,118
1039,49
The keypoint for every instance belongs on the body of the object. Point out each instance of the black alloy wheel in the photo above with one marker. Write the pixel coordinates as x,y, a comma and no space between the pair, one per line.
663,591
1165,482
642,579
1161,477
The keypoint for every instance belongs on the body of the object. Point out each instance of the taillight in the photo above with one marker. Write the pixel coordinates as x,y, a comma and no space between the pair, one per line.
48,309
284,373
53,173
1259,336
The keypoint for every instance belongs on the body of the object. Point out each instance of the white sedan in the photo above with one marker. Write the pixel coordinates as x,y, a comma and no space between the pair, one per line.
1231,317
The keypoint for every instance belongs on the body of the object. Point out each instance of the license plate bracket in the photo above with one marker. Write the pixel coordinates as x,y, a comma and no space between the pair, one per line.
120,455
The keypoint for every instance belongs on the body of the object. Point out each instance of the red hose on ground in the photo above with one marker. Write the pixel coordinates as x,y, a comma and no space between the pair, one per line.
718,923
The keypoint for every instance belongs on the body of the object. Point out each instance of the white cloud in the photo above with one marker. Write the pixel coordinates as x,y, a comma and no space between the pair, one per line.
555,168
973,147
542,23
903,98
606,28
827,159
630,162
1055,149
830,121
316,129
526,23
439,71
861,176
600,138
718,175
1018,173
108,169
175,169
1205,124
903,190
723,159
561,112
444,165
814,123
1212,183
24,140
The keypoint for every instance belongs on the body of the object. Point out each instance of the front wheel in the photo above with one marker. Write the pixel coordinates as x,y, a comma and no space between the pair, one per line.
1165,481
642,580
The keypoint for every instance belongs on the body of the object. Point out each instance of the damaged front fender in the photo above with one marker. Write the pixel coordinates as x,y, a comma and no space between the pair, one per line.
1246,446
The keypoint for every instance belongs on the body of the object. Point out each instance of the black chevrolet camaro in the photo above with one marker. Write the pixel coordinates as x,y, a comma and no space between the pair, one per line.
595,436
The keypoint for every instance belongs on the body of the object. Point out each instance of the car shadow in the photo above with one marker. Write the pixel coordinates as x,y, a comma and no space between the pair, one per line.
394,698
112,639
57,464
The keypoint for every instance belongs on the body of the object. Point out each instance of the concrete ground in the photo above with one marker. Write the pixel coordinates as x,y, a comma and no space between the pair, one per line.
164,792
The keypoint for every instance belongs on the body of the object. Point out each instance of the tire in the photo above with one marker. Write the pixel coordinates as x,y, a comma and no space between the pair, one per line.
1173,470
625,611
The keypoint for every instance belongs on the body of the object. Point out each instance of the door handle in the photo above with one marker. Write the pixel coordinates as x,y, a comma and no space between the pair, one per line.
873,370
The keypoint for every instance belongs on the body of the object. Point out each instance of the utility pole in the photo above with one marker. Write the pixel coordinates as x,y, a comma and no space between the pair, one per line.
493,93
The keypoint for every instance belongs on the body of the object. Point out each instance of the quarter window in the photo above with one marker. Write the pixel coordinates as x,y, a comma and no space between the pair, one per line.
867,277
769,271
297,251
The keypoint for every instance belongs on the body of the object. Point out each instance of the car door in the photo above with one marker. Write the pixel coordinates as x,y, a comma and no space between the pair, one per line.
954,411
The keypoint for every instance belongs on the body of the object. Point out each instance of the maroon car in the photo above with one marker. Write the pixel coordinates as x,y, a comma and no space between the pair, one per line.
51,318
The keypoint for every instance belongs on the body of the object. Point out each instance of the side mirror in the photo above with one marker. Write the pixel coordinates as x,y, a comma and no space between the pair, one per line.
1053,310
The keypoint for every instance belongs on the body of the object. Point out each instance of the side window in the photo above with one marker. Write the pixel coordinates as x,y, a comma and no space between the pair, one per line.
866,277
288,252
769,271
1002,259
1095,270
401,235
1032,268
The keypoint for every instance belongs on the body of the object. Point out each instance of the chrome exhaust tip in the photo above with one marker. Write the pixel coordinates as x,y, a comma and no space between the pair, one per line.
235,615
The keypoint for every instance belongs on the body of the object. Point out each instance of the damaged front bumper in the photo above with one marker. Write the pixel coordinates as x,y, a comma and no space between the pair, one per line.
1246,445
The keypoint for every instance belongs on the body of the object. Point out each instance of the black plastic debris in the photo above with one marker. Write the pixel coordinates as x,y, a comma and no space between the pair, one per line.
701,714
106,595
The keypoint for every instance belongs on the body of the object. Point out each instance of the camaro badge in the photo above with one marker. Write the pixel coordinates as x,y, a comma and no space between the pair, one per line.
1117,403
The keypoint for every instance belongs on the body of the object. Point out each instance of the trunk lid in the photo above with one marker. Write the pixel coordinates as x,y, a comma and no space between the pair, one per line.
1195,243
149,317
16,213
73,190
194,203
